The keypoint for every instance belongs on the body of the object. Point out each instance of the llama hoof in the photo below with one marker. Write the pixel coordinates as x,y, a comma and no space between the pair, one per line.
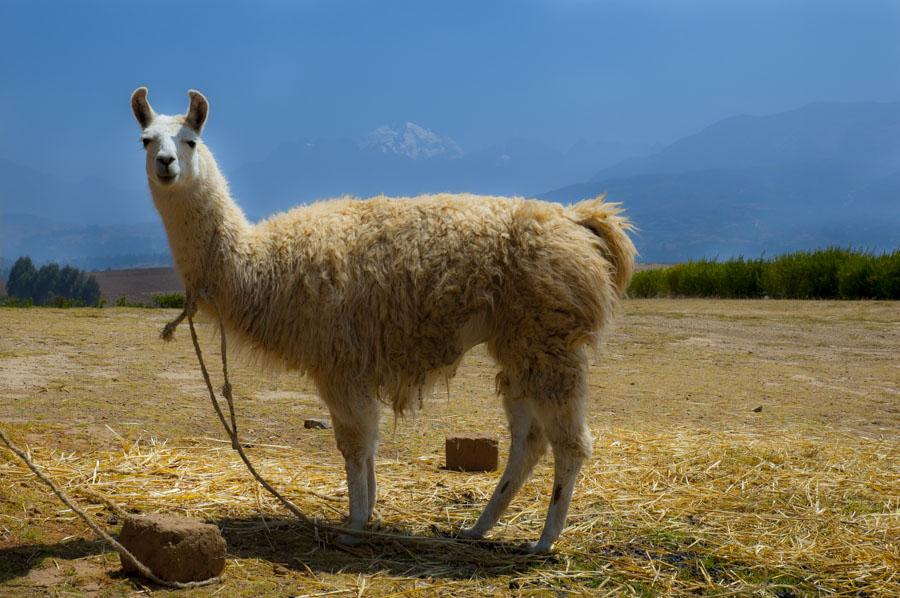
537,548
349,540
470,533
168,333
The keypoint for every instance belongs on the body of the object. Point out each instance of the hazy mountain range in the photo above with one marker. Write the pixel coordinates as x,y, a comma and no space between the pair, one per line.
93,247
822,174
408,159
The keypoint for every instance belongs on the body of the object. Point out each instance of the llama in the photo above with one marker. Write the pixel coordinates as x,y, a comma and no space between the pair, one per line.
378,299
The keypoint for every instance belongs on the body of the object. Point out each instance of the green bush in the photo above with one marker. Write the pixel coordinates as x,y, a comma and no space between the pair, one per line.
649,283
169,300
164,300
14,302
126,302
856,278
886,276
831,273
65,302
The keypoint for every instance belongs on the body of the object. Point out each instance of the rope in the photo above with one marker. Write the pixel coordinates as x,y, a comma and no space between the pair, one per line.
232,431
141,567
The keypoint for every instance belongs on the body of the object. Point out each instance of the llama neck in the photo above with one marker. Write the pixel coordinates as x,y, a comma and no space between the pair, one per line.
208,233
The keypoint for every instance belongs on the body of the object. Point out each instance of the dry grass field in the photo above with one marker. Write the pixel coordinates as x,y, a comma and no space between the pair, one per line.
692,489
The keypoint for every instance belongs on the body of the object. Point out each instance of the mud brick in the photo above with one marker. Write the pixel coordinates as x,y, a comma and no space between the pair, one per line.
174,548
471,453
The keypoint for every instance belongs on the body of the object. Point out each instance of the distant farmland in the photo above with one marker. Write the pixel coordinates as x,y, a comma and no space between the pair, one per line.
138,284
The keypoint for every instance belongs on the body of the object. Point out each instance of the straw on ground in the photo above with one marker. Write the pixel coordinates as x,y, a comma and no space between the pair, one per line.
690,489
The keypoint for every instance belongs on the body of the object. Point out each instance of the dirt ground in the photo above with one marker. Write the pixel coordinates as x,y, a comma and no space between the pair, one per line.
676,380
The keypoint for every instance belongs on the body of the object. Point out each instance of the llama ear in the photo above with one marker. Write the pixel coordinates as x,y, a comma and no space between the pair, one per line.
198,110
141,107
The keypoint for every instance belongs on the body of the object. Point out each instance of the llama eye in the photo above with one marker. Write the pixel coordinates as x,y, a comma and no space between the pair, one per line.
145,141
191,143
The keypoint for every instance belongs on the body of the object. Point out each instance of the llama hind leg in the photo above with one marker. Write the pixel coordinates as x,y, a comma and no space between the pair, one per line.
565,427
526,447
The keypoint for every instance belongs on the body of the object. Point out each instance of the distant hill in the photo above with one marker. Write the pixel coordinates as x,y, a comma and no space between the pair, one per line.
409,159
89,201
863,137
137,284
86,246
820,175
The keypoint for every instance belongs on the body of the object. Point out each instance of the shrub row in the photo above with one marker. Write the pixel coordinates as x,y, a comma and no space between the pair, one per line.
163,300
832,273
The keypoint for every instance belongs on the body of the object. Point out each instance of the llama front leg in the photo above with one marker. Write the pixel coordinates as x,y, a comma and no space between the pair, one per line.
358,489
371,483
526,447
356,431
190,308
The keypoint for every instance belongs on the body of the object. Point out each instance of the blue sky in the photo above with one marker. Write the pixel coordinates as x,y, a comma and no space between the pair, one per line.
481,72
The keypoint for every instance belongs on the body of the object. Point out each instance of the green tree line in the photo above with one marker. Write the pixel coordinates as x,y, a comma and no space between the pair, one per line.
832,273
51,285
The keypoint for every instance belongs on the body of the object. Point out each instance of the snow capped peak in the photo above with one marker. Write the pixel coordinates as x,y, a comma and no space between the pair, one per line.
412,141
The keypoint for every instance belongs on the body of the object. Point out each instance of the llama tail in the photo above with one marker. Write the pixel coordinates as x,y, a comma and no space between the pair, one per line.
606,221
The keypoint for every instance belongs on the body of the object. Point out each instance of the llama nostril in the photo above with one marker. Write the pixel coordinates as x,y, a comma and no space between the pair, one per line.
165,160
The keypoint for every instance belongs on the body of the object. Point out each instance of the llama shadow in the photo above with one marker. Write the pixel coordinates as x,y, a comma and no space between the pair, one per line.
18,561
286,543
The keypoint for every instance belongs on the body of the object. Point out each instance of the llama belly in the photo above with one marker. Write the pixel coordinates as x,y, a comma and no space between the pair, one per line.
409,376
475,331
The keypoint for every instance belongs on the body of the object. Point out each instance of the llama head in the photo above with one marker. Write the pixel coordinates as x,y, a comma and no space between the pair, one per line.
171,142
